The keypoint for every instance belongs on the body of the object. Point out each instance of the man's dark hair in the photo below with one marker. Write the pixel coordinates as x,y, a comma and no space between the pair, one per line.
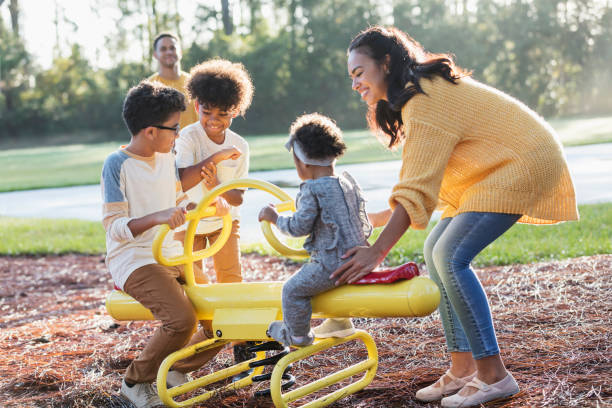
162,35
150,103
222,84
319,136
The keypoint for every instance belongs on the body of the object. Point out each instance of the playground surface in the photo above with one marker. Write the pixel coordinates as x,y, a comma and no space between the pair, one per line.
554,324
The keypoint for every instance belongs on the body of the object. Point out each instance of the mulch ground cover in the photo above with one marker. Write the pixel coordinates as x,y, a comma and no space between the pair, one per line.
554,323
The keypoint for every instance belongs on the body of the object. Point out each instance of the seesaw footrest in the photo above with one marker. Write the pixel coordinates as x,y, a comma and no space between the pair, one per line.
368,366
168,395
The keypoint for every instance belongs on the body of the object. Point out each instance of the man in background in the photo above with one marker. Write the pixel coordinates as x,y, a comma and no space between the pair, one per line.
167,52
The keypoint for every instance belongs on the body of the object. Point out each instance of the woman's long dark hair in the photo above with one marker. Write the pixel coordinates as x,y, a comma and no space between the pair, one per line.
409,62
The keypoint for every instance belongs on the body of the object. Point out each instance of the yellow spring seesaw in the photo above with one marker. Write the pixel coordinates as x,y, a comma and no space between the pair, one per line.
243,312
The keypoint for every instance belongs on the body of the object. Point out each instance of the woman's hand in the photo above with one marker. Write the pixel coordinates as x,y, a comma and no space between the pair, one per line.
378,219
364,260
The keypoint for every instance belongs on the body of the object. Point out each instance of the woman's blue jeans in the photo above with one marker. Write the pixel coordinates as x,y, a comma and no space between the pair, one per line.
464,309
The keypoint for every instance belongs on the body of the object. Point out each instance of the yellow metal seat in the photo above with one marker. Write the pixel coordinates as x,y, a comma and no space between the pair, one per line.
243,311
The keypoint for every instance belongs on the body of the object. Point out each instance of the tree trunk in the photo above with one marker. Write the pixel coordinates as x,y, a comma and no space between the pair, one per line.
254,9
56,22
293,25
155,16
149,29
177,21
14,10
228,27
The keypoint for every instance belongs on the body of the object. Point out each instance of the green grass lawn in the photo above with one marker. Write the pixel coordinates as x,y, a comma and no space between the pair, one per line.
53,166
581,131
79,164
36,236
529,243
269,153
522,244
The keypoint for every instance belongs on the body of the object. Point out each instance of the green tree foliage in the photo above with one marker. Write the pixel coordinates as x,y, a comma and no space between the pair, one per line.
15,71
554,55
544,52
296,66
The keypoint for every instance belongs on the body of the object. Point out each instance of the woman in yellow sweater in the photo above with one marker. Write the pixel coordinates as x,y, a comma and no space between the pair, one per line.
484,158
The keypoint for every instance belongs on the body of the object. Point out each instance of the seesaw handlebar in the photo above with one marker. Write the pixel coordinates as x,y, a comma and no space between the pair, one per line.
204,209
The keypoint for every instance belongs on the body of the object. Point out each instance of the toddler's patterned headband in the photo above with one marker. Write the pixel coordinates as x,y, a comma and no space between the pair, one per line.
294,144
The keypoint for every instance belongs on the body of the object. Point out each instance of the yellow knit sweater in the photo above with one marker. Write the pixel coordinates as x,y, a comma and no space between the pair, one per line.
470,147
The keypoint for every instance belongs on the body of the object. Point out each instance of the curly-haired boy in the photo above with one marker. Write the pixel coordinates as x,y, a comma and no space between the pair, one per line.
221,90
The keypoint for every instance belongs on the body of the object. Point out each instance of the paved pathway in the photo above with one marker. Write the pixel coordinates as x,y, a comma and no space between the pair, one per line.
591,168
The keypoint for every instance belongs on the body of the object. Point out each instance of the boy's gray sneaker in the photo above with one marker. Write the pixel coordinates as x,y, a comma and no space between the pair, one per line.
176,378
142,395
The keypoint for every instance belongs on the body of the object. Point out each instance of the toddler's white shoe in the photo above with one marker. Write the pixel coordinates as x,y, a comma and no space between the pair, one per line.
142,395
486,392
303,341
279,332
442,388
334,328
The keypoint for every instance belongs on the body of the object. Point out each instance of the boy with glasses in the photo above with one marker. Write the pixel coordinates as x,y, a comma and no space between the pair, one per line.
140,191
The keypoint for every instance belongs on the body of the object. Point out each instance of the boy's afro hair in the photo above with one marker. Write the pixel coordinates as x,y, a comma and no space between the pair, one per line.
319,136
222,84
150,103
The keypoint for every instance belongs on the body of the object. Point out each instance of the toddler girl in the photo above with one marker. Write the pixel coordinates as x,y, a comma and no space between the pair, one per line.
331,211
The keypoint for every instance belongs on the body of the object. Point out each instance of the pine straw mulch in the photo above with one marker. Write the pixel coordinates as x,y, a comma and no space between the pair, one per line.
554,323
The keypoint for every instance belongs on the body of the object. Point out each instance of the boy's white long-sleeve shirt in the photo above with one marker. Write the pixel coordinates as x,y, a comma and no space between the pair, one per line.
132,187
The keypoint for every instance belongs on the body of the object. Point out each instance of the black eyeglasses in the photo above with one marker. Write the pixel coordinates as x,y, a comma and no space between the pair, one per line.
176,129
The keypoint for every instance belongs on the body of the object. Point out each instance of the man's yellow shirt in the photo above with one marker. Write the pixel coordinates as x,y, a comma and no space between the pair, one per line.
189,115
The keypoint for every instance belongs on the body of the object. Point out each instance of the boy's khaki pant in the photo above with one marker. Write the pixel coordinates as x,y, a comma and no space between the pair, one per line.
226,261
157,288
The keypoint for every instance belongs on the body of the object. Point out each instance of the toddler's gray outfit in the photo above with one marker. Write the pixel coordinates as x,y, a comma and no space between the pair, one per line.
332,210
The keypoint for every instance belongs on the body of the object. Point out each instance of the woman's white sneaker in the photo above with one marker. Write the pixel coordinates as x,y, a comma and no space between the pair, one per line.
441,388
486,392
